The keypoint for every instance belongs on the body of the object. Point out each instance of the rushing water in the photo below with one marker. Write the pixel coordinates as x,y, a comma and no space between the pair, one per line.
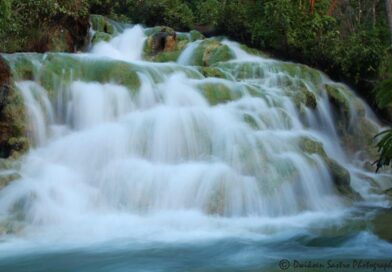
166,178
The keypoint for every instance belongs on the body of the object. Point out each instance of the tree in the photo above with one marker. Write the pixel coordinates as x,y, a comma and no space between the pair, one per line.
388,4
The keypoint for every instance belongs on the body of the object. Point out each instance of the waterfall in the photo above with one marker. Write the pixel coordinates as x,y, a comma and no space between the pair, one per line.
124,147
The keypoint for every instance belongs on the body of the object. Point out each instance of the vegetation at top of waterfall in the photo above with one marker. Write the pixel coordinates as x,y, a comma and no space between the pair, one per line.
43,25
385,148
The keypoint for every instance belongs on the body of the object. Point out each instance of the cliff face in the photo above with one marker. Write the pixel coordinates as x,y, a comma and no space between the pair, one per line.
12,116
67,35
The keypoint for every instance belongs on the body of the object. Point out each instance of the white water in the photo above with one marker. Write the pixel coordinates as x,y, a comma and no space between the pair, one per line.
128,46
165,165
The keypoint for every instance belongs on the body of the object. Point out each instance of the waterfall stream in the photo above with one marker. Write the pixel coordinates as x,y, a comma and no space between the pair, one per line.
138,157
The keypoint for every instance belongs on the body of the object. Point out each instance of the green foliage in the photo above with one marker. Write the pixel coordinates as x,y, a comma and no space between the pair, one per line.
31,22
175,13
103,7
385,148
383,90
208,12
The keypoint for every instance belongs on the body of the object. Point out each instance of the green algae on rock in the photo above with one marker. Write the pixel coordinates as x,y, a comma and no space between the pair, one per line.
211,51
340,176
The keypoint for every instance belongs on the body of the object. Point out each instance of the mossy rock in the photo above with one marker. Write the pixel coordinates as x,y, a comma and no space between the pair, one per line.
163,44
59,70
195,35
62,69
311,146
156,29
211,72
211,51
100,36
24,66
216,204
253,51
8,171
354,128
181,44
217,93
243,70
218,54
297,71
302,96
338,99
164,57
6,179
10,227
341,179
101,24
340,176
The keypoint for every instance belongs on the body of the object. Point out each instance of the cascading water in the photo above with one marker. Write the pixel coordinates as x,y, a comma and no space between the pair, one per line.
131,156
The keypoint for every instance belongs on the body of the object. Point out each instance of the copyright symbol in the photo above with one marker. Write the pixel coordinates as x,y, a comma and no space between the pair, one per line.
284,264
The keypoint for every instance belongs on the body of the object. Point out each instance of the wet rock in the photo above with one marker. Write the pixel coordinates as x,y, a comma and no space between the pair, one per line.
212,72
382,223
101,24
337,98
253,51
195,35
295,70
217,93
355,129
164,44
162,41
340,176
341,179
243,70
302,96
389,192
210,52
103,29
6,179
59,68
100,36
8,227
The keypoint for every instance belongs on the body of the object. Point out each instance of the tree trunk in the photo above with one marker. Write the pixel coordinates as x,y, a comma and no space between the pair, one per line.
332,7
388,4
311,3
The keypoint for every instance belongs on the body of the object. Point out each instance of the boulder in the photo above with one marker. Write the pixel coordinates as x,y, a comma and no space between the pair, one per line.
339,175
101,24
163,41
100,36
353,126
164,44
211,72
211,51
195,35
